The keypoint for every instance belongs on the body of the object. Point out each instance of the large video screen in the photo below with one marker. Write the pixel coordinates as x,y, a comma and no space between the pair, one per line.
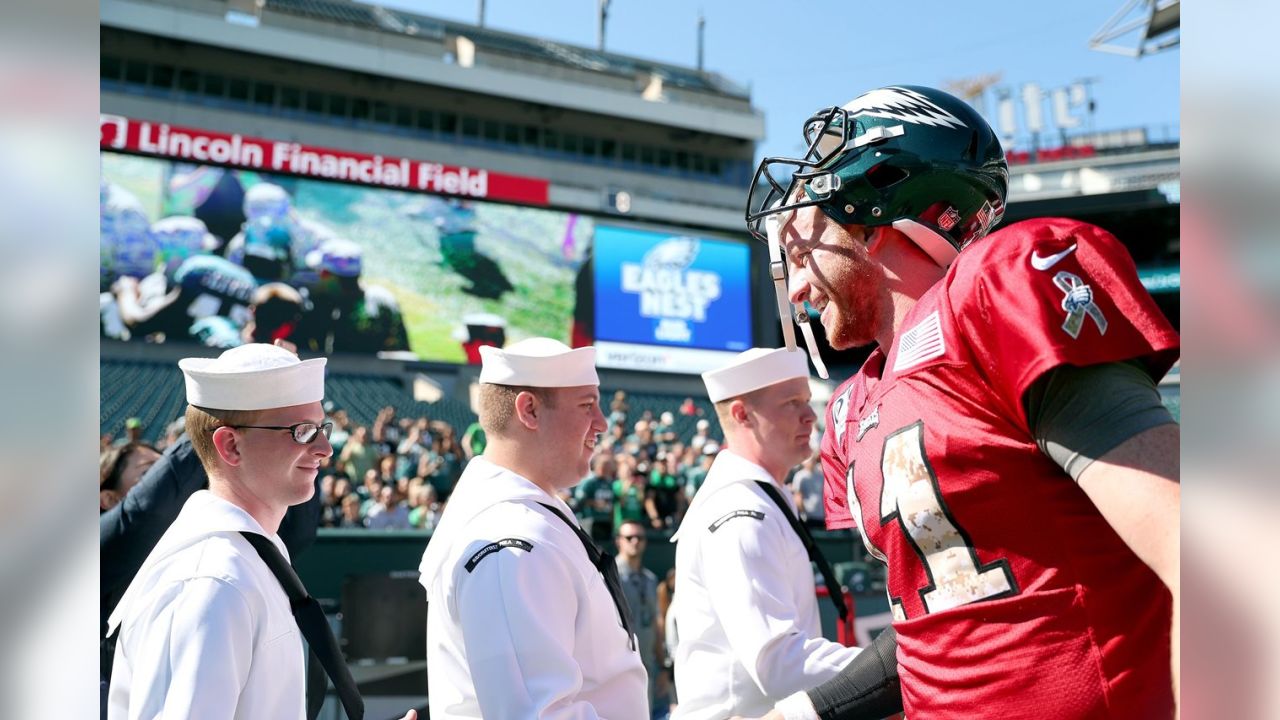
669,302
218,256
197,253
677,290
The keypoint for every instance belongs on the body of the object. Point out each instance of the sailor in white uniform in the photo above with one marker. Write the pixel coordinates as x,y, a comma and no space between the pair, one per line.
205,628
750,633
525,617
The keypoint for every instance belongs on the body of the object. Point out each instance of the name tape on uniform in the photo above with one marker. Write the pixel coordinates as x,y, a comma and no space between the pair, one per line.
492,548
736,514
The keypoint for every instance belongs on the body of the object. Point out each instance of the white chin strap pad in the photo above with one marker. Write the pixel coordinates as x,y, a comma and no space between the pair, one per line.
778,272
788,313
814,355
934,245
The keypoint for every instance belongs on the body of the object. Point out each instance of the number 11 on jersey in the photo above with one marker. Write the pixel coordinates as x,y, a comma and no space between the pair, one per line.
910,495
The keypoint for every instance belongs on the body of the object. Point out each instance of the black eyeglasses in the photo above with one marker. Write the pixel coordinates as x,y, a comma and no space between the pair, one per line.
630,537
304,433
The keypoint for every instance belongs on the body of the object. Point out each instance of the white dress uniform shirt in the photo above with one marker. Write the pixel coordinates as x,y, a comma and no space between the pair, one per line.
205,628
750,633
519,623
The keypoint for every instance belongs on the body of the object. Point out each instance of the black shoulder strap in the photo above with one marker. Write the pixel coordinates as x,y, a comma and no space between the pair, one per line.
315,628
604,563
828,576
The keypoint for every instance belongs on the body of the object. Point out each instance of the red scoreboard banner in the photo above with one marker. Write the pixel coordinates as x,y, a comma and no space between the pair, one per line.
214,148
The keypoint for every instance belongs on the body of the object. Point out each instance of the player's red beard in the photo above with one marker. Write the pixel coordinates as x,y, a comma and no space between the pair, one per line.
852,284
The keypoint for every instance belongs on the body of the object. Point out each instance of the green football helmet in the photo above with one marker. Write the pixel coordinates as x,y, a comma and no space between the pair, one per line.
912,157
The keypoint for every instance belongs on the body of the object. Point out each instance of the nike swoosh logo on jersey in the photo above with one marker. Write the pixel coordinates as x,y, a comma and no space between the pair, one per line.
1040,262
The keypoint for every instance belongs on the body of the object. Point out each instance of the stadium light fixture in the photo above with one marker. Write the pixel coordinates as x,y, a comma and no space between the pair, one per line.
1155,23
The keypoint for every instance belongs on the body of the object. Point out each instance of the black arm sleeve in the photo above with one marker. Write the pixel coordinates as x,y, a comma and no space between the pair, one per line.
867,688
1078,414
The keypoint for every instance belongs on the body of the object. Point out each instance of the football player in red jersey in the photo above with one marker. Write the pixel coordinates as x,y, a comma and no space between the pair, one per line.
1004,449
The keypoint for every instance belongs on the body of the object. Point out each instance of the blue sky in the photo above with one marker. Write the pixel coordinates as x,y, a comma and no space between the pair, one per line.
802,55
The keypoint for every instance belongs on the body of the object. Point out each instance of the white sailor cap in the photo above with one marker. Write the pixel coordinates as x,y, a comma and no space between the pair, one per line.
539,362
754,369
255,376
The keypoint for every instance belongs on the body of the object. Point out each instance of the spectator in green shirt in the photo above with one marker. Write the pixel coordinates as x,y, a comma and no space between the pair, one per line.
594,498
664,483
632,500
358,455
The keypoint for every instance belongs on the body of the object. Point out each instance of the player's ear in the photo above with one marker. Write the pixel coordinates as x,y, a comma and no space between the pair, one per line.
738,411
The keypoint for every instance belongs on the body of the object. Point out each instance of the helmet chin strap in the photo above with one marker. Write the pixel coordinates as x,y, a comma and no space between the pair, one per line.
788,313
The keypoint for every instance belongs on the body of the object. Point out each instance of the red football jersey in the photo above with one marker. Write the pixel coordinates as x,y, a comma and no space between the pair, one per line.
1012,596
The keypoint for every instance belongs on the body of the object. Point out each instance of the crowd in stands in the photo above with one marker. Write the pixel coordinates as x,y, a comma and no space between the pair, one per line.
398,472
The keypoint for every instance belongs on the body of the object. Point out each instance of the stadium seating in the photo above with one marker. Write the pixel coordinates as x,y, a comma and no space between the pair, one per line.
150,391
343,13
363,396
657,404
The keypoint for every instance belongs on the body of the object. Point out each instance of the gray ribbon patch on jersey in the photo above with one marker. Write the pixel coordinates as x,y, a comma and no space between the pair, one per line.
736,514
492,548
1078,302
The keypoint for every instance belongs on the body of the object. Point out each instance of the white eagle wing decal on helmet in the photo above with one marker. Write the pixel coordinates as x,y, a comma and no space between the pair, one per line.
895,103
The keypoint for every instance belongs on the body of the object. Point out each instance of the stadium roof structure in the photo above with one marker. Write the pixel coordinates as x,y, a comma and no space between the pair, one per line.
375,17
407,46
1153,23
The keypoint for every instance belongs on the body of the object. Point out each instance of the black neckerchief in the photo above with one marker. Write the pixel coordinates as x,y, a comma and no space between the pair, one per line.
608,569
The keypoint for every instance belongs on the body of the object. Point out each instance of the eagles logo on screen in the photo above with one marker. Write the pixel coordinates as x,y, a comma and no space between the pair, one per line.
670,292
676,254
915,158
